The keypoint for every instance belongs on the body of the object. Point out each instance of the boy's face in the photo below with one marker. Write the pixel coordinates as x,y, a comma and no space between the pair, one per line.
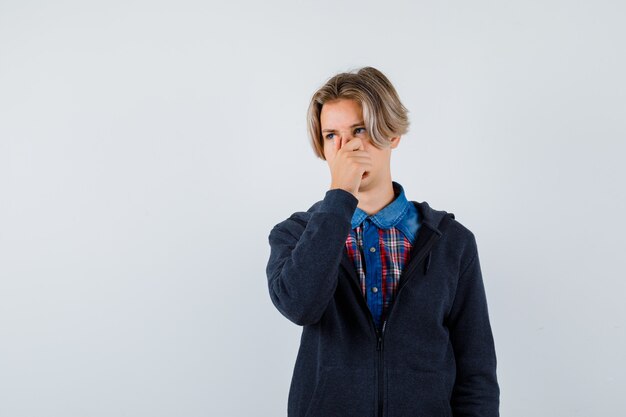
340,115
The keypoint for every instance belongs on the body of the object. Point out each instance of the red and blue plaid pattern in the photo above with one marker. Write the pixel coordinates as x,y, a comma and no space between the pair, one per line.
380,245
395,250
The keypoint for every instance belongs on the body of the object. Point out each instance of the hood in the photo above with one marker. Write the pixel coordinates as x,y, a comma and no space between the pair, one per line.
429,217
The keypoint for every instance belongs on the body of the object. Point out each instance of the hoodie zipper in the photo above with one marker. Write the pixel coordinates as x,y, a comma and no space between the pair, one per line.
379,348
380,334
380,344
412,265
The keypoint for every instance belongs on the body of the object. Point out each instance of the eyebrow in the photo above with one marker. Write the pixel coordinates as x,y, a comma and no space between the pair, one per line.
361,123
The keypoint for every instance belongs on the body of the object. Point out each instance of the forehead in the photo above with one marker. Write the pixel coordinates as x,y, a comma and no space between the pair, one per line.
341,112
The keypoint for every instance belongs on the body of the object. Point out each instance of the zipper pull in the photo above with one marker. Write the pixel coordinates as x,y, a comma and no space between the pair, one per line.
379,345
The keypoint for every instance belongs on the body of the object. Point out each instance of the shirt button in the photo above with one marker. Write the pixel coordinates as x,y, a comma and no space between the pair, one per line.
374,289
372,249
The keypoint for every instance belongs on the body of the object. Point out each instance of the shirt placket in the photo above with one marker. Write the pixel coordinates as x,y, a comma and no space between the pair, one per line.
373,280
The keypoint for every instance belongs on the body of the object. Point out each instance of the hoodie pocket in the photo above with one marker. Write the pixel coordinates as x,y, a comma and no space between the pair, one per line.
343,392
411,393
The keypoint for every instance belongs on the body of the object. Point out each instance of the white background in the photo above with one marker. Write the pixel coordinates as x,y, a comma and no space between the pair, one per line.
148,147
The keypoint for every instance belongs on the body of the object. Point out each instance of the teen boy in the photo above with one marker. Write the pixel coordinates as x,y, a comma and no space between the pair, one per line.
389,291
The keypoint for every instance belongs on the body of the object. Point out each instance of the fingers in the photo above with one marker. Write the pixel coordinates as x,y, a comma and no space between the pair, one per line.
356,144
350,146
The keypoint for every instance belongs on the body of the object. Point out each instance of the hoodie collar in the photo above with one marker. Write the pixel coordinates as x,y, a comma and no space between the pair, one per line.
388,216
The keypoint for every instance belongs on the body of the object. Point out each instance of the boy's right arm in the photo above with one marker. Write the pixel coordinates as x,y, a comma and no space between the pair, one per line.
303,266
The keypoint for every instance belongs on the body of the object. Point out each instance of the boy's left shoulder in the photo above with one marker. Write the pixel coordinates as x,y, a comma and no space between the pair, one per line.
456,233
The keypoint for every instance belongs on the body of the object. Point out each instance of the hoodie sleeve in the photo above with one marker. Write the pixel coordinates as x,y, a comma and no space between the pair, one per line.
476,391
303,265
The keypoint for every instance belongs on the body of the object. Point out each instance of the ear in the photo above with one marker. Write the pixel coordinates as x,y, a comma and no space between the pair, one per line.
394,142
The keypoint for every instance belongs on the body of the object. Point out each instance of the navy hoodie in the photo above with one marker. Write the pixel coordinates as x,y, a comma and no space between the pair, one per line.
434,355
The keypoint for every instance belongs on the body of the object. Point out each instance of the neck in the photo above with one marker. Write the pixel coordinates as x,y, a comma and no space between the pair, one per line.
373,197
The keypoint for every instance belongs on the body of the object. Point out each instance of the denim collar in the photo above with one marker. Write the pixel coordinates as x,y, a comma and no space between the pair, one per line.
388,216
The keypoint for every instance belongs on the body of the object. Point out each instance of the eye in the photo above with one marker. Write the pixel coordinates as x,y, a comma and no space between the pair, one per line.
328,136
359,128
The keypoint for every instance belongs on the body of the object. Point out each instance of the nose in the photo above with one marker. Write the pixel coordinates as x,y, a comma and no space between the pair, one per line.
348,135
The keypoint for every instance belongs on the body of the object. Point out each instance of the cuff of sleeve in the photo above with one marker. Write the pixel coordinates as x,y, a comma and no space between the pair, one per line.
340,202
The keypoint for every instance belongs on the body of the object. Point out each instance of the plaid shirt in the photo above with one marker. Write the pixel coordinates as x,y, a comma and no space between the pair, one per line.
380,247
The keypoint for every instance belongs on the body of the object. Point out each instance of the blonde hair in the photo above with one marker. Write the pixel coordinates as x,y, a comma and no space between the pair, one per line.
383,113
